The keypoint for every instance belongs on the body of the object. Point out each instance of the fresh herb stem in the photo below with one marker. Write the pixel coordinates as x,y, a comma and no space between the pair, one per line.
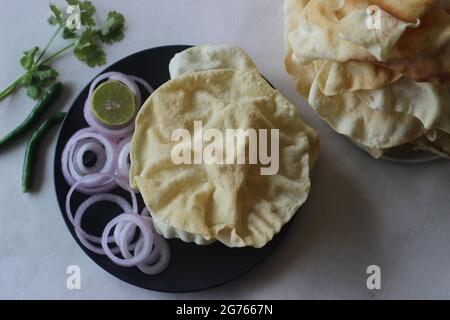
49,44
56,54
10,89
13,86
87,40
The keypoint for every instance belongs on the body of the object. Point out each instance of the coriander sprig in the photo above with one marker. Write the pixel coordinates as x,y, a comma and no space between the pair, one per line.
86,40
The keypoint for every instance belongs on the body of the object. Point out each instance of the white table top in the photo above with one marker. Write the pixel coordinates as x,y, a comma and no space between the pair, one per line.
360,212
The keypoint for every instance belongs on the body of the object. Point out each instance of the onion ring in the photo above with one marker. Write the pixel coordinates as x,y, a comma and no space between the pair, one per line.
76,222
123,167
164,257
143,83
93,183
159,257
86,238
94,147
125,232
121,202
147,238
120,183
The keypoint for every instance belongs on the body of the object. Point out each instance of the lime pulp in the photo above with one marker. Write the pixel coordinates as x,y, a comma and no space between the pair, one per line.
113,103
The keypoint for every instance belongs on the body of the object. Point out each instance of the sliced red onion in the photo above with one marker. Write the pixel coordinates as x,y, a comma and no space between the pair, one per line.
86,238
121,202
143,83
148,267
161,251
92,183
145,212
76,221
94,147
147,239
127,231
117,180
156,252
109,132
159,257
125,248
123,165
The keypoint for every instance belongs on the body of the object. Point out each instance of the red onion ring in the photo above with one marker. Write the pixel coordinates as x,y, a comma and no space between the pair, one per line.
94,147
148,267
147,238
112,133
101,197
86,238
120,183
125,232
83,236
143,83
125,249
146,213
79,139
123,167
159,258
93,183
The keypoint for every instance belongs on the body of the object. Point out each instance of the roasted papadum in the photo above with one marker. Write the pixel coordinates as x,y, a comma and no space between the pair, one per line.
383,87
233,203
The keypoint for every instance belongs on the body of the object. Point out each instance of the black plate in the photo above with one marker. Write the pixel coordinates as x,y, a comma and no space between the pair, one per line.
192,267
410,157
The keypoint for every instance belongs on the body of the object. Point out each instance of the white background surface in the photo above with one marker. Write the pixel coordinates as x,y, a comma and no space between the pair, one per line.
360,211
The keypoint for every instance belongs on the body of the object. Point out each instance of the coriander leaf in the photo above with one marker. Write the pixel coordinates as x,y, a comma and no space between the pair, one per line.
55,11
87,11
112,29
33,92
45,73
52,20
68,34
88,49
26,79
86,44
92,56
37,79
56,18
27,60
87,38
73,2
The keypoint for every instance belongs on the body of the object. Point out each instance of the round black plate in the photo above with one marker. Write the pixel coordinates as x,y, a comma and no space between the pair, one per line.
192,267
411,157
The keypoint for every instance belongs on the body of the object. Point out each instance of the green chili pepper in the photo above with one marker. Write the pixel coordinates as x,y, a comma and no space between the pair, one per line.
33,144
35,114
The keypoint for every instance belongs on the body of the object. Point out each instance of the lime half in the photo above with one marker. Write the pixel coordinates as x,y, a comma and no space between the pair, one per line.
113,103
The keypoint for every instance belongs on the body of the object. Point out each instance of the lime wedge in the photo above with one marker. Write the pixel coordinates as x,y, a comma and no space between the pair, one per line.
113,103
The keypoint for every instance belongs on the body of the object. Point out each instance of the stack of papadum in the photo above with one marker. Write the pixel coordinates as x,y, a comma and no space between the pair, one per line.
232,203
376,71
